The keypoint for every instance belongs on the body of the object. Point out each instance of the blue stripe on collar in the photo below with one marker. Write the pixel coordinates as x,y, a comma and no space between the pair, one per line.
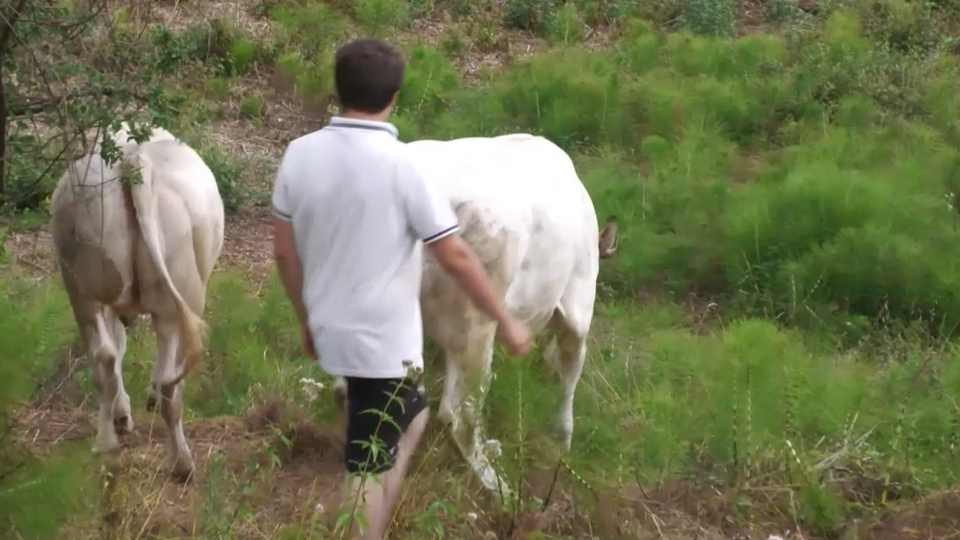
372,125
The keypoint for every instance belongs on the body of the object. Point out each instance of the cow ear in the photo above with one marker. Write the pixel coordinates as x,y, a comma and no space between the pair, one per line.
608,238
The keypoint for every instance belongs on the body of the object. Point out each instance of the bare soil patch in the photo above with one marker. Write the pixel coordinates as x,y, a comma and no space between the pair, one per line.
248,242
140,499
936,516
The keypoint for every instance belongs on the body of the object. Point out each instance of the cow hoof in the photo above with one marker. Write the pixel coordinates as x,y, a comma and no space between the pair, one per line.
151,403
497,485
106,444
565,435
123,424
182,472
493,449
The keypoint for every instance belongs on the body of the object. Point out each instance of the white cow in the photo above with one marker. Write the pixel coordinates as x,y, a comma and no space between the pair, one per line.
524,211
129,250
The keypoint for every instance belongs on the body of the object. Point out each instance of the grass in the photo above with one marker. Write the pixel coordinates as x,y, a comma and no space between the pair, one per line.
790,427
774,344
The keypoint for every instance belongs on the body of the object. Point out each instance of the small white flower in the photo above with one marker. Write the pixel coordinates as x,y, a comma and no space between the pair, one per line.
311,388
471,516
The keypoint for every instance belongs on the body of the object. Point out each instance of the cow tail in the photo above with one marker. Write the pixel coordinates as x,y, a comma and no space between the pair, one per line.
144,203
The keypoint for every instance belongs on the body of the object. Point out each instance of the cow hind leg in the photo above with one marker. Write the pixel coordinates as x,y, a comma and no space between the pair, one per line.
566,353
106,342
153,389
107,346
465,387
170,396
122,414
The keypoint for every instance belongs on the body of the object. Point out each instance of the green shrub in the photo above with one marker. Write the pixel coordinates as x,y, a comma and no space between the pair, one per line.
422,8
311,30
381,16
29,183
709,17
429,83
252,107
784,11
243,55
212,44
529,14
835,236
565,25
36,325
570,97
764,398
215,45
902,26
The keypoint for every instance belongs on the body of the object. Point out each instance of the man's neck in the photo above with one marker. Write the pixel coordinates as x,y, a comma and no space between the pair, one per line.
382,116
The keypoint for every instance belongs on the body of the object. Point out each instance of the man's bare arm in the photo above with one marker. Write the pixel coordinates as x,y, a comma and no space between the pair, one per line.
289,265
461,263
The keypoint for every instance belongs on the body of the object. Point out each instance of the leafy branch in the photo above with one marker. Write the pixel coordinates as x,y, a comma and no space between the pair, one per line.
53,95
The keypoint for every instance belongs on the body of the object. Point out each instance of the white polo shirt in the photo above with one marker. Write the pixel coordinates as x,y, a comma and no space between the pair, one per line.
358,207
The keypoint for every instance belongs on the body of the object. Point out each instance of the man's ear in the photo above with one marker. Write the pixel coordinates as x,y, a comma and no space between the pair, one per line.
393,100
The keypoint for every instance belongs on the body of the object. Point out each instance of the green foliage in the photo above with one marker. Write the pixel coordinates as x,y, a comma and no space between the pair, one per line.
48,118
529,14
565,26
381,16
309,35
422,8
903,26
429,82
709,17
784,11
214,46
35,325
311,30
252,107
29,182
243,55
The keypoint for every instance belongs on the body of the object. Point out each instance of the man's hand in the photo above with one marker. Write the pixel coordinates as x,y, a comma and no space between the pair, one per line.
307,339
516,336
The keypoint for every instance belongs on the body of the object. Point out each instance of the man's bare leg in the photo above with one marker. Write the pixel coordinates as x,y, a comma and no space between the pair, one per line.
380,494
394,477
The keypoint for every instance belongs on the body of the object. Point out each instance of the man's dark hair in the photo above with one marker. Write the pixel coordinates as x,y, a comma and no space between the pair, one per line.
367,73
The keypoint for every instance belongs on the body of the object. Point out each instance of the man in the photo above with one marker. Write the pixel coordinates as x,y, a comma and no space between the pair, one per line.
349,208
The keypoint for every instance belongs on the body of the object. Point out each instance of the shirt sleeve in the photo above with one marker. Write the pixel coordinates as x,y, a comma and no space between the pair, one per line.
282,198
428,209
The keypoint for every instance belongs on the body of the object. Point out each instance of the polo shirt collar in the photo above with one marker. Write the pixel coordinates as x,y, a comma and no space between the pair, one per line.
372,125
